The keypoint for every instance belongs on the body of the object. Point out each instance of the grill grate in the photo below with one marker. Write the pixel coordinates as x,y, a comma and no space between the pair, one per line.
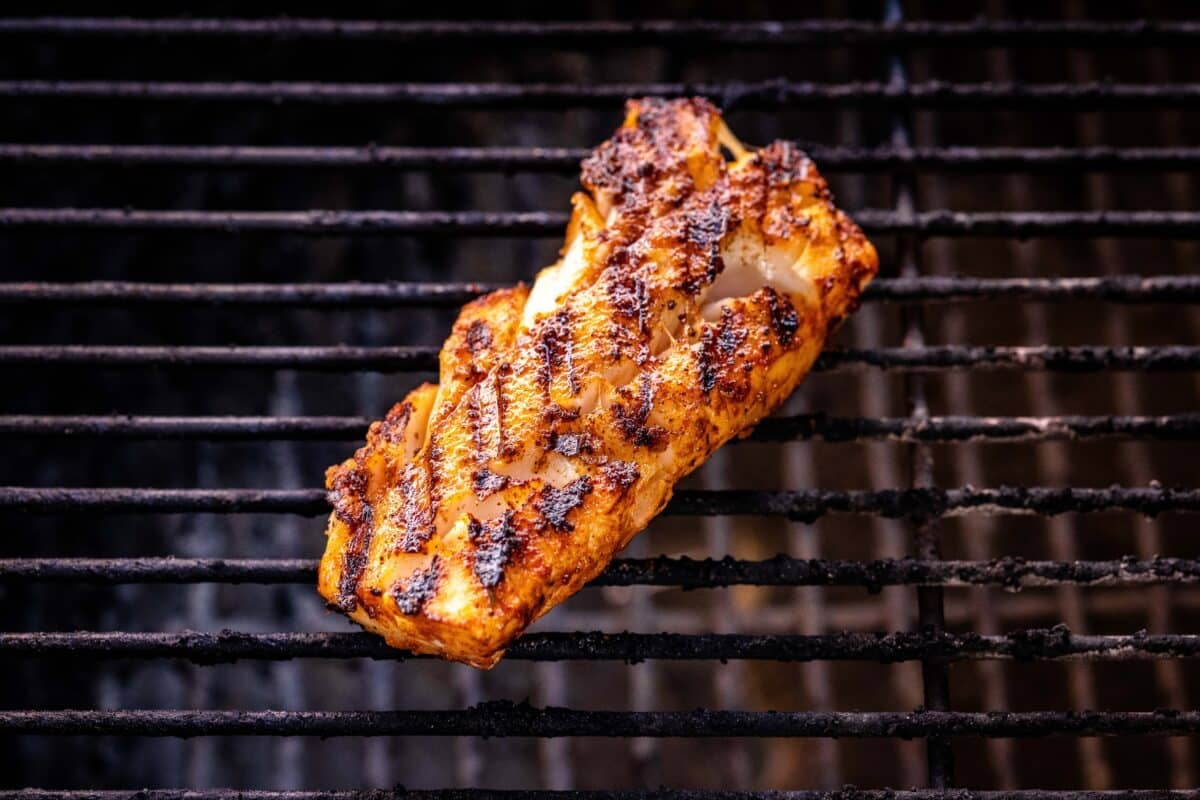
956,619
214,648
733,95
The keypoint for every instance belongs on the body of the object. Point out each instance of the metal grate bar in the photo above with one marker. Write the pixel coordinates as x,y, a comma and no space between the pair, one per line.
434,159
660,793
505,719
565,160
931,613
1010,573
1172,427
417,358
315,222
769,94
325,222
317,295
1113,288
228,646
1123,33
804,505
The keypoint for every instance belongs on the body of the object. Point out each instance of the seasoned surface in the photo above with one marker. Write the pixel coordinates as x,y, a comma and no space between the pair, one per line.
697,284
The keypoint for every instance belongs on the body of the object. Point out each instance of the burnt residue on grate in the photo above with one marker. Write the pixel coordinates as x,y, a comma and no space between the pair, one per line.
229,646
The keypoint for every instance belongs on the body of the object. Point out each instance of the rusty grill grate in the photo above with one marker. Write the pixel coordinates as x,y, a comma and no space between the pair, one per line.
929,464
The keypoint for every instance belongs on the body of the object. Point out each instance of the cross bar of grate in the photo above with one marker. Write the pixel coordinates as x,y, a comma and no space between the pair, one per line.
660,793
338,358
1008,572
803,505
305,295
768,94
326,222
1117,288
1171,427
1122,33
228,646
505,719
566,160
926,543
315,222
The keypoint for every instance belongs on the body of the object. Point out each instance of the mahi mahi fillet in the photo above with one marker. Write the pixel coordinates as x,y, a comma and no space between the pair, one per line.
698,282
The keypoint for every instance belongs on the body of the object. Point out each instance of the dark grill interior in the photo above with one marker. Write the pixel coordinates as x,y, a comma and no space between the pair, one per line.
229,243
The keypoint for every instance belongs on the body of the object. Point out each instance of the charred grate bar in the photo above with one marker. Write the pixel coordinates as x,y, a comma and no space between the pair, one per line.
926,289
848,793
709,573
944,222
337,358
566,160
320,295
652,32
731,95
228,646
505,719
662,793
801,505
926,542
1172,427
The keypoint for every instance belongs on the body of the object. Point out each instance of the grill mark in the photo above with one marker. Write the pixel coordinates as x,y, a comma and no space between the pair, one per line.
392,427
569,444
730,336
620,475
421,587
479,337
434,454
784,164
642,298
348,492
632,422
708,370
555,504
706,227
354,564
555,413
701,235
473,424
486,483
630,299
416,516
784,318
718,344
495,543
558,350
716,265
348,497
505,447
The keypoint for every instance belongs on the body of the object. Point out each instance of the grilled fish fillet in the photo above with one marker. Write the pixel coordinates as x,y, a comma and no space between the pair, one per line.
698,282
